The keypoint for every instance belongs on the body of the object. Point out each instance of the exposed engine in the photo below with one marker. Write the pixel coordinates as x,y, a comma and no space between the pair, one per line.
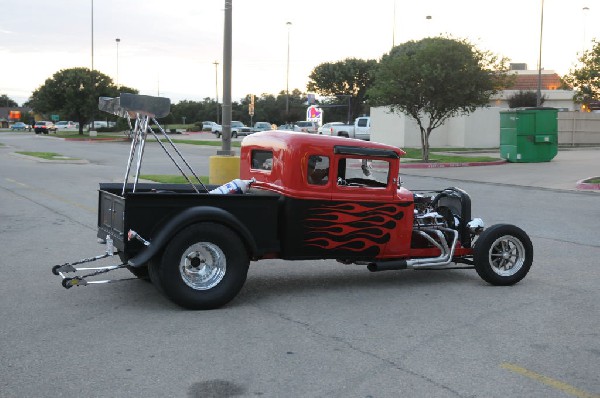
426,215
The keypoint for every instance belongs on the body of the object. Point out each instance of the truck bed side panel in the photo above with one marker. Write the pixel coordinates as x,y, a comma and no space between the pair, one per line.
146,211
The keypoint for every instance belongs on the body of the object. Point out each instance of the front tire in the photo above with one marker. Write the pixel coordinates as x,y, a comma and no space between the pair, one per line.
503,255
204,266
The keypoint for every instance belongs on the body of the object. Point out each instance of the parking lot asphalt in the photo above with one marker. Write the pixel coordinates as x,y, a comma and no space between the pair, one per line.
301,328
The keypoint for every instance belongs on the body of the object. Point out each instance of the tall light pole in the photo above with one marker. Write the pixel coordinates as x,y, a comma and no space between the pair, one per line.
394,26
585,12
216,63
538,100
118,41
92,34
227,61
287,80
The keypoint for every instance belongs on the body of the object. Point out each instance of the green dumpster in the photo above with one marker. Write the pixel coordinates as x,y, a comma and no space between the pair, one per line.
529,134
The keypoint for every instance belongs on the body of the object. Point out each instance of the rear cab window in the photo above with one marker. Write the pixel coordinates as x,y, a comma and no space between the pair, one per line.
261,160
317,172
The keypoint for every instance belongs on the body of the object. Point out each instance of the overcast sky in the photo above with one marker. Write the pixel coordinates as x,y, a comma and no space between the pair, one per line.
169,47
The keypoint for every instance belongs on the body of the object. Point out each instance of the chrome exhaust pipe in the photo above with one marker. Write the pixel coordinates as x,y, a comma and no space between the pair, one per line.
445,257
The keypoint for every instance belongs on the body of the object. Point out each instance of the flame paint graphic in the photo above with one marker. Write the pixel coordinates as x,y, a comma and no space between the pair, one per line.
356,227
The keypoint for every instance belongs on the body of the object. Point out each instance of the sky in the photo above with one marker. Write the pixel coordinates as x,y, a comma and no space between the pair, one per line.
168,48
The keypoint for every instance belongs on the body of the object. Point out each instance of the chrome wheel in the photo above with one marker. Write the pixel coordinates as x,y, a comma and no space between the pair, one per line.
503,254
202,266
507,255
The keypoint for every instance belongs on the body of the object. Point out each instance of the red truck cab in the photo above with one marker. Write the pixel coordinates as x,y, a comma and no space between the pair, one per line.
353,206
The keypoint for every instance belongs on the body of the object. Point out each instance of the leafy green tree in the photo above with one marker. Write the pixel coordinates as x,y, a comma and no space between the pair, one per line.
524,99
585,80
437,78
351,77
73,94
8,102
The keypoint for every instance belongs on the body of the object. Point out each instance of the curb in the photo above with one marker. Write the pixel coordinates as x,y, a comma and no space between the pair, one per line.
442,165
586,186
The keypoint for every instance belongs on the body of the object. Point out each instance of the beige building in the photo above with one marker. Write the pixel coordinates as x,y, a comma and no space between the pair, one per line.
481,129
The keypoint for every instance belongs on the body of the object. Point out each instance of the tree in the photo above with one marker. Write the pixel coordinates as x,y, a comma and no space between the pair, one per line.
586,79
351,77
73,94
8,102
524,99
437,78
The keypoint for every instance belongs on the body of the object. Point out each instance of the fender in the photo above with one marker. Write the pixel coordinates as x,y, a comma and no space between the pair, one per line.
188,217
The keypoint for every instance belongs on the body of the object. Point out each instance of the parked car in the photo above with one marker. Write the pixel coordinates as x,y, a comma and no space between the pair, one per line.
209,126
20,126
289,204
238,129
98,124
44,127
361,129
306,127
326,128
64,125
262,126
289,127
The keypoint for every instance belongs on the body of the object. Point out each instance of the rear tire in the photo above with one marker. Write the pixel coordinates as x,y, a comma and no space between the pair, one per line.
140,272
203,267
503,254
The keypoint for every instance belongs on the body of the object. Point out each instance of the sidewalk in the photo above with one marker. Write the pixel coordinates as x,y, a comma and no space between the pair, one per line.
564,172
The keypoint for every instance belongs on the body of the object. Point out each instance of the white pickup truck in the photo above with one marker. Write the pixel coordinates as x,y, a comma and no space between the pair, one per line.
361,129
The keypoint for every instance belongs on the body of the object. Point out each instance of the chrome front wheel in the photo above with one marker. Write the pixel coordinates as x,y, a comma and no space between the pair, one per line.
503,254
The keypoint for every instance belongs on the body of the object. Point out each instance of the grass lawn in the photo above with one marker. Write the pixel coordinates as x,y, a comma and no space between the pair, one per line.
47,155
234,144
414,153
86,135
172,179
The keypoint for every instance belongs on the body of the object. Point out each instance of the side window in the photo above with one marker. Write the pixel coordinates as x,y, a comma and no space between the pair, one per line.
262,160
362,122
318,170
363,173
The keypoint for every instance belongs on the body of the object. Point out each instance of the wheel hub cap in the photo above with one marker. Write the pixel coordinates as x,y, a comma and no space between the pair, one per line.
202,266
507,255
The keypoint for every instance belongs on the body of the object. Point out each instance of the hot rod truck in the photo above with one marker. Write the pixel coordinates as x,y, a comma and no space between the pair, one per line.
300,197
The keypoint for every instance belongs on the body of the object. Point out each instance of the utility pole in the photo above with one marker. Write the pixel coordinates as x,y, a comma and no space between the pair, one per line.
216,63
287,81
539,85
226,116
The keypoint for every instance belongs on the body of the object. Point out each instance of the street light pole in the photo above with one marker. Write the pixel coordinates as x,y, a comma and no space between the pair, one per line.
216,63
539,85
287,80
118,41
227,60
585,11
92,34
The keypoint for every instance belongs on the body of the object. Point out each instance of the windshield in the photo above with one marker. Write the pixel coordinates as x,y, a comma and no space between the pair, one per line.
237,124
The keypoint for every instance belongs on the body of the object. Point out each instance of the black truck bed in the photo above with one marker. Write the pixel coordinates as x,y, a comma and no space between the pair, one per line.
150,209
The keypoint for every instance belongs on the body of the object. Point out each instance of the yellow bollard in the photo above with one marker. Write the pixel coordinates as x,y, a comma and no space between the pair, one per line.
222,169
